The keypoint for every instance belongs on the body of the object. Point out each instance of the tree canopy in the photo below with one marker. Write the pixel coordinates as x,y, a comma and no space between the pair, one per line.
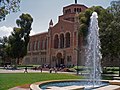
109,25
19,38
3,45
85,19
110,38
8,6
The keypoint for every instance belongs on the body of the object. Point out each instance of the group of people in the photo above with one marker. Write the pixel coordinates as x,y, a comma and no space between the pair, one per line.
26,71
41,69
53,69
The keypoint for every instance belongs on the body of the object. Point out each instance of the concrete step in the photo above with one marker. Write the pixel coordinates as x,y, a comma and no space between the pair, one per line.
109,87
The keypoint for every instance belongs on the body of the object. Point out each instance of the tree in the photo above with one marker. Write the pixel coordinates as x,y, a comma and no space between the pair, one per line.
111,35
85,19
8,6
3,45
104,19
19,38
115,7
84,24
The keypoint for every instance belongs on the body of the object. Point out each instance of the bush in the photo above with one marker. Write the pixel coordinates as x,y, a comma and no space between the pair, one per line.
110,70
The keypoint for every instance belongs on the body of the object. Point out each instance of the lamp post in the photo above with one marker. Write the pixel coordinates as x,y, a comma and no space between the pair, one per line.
78,57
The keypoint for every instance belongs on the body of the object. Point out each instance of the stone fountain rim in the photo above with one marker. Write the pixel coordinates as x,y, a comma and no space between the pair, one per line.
35,86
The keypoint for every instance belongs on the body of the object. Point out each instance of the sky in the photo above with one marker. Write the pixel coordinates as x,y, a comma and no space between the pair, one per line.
42,11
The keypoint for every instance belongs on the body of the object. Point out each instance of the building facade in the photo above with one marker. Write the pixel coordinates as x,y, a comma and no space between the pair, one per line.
58,46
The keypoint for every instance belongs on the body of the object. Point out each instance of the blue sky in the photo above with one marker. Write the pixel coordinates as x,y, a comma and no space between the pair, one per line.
42,12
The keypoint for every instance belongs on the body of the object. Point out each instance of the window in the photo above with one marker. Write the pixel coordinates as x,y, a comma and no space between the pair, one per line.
38,45
42,44
56,41
28,47
62,41
69,58
67,36
33,46
68,11
45,60
53,58
45,44
77,10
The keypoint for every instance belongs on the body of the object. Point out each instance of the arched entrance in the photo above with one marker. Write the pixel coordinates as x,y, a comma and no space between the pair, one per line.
60,60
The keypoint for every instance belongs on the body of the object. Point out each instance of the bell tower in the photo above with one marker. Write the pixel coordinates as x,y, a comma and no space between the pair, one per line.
70,11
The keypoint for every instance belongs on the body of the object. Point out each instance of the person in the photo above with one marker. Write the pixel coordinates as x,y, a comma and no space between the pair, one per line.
50,70
25,70
55,70
41,69
35,68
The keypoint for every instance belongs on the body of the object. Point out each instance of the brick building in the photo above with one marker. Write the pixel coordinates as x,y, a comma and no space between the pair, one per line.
59,45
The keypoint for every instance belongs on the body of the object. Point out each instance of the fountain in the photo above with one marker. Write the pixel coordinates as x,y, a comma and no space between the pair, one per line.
93,54
93,66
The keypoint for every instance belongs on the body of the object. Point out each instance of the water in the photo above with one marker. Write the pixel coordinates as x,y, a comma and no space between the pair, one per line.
70,83
93,54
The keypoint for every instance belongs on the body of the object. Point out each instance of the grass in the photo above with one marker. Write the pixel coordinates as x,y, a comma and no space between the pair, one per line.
15,79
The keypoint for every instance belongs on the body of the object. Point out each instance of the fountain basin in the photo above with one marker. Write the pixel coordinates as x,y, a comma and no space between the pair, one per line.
65,85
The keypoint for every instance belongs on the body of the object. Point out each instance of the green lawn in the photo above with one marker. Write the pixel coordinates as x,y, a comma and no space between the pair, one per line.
11,80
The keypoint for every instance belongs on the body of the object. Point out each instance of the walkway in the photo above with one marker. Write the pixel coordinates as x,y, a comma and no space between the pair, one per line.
30,71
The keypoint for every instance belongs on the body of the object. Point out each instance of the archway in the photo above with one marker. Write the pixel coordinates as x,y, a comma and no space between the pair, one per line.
60,60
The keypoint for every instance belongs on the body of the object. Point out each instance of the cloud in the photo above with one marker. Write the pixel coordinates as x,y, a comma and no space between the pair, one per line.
5,31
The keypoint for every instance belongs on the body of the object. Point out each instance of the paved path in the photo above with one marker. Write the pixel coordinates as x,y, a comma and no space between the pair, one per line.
30,71
18,88
18,71
2,70
109,87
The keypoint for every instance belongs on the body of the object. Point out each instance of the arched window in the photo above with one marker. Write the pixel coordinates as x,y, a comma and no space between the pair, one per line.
42,44
56,41
67,36
33,46
35,43
28,46
61,40
69,58
45,44
78,10
38,45
75,10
